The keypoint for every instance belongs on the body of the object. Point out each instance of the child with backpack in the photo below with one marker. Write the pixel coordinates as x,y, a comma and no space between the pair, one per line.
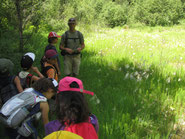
73,114
25,76
52,40
49,70
19,113
9,84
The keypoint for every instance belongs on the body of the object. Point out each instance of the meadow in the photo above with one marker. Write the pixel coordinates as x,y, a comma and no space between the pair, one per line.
137,75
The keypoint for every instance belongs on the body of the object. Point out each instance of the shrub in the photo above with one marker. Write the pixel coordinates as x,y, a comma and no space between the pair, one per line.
159,12
114,14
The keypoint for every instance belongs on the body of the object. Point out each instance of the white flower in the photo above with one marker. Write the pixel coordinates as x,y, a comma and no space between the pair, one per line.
146,76
127,75
172,108
127,66
97,101
168,80
179,79
136,73
131,76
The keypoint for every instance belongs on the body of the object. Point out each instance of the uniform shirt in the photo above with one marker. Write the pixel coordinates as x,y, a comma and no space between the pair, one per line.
73,41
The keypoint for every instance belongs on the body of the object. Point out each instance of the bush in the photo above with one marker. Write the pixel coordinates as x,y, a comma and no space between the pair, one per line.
114,14
159,12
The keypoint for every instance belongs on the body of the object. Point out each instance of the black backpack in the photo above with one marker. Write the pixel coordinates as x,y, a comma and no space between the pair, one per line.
63,52
45,69
9,90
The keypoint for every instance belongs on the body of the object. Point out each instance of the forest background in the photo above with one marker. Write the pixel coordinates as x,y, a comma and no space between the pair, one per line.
149,100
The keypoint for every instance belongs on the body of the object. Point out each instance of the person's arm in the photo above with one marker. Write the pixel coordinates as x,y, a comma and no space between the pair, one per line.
82,43
36,70
44,111
81,48
70,51
18,84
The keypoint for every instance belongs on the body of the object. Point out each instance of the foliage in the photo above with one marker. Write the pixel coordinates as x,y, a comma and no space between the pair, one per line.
157,12
114,14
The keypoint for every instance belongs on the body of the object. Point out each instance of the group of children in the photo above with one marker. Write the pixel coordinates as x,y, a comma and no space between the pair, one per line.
74,119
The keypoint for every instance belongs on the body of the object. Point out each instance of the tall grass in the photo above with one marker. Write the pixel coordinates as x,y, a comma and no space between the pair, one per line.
138,78
137,75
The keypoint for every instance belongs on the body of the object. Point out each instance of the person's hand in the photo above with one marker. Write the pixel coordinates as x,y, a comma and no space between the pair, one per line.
79,49
70,51
34,69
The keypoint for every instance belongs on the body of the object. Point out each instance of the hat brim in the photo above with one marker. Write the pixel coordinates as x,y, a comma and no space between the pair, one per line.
53,57
58,36
77,90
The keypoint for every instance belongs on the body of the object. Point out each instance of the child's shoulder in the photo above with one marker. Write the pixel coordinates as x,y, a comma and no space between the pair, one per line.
54,123
53,126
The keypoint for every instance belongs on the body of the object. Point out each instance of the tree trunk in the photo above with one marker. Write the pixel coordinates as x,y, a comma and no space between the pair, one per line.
17,4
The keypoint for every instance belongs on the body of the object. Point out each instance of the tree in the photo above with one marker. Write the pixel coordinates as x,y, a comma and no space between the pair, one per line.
18,15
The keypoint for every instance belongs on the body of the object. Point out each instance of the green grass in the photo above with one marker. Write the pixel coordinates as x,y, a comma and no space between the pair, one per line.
137,76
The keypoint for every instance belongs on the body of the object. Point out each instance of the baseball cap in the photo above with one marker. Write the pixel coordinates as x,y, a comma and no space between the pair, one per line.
64,85
27,60
53,34
6,67
71,20
51,54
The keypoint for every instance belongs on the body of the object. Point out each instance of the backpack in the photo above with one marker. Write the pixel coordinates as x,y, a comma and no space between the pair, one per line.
26,82
15,111
45,69
63,52
84,129
63,135
9,90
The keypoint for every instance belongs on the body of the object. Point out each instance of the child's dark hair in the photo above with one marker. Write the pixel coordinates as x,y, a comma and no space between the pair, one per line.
50,40
42,85
72,107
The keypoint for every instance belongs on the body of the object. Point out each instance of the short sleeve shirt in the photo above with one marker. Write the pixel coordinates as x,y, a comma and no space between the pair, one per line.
74,40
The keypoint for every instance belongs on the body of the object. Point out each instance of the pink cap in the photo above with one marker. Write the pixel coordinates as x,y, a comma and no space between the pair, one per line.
53,34
51,54
64,85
